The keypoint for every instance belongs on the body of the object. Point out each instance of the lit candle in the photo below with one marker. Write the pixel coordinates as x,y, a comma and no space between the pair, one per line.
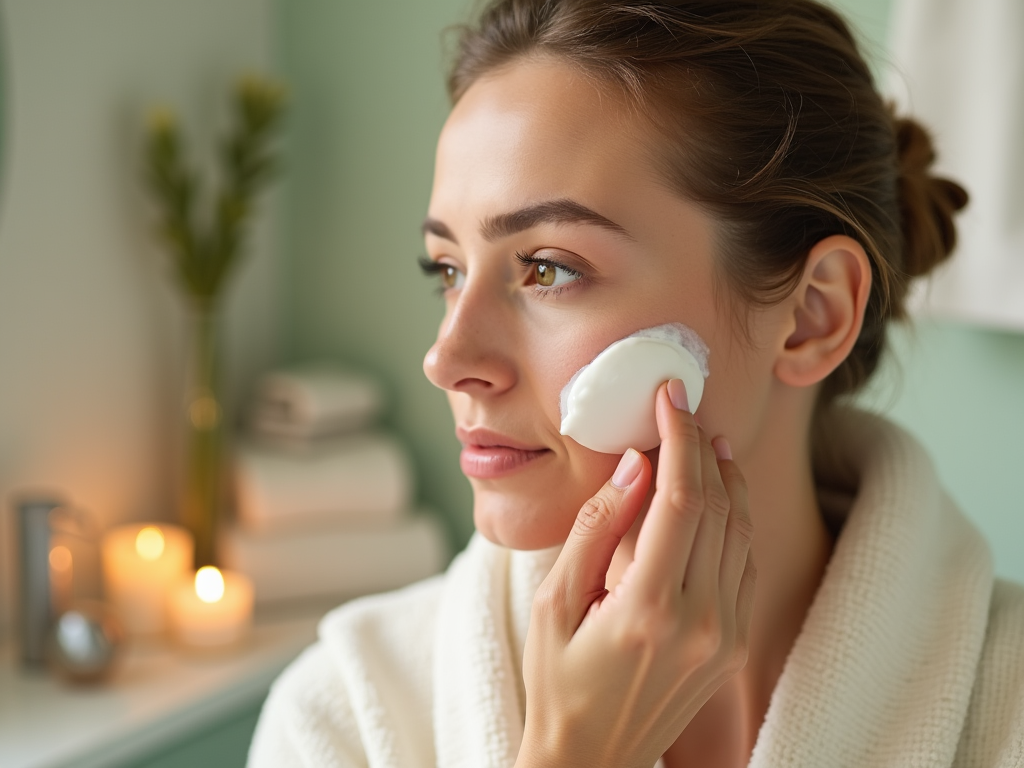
213,609
141,564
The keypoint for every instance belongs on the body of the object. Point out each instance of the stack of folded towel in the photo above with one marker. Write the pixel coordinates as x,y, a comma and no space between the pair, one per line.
323,500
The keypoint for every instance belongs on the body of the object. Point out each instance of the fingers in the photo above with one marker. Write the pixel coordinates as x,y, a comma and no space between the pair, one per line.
698,529
702,570
696,535
745,600
667,537
578,576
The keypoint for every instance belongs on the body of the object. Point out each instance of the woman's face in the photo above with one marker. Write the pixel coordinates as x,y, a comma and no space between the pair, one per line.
557,238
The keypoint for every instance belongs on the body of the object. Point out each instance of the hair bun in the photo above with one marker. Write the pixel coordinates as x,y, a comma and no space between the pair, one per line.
927,203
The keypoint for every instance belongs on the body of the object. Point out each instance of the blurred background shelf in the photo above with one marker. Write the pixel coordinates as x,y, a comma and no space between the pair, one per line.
162,708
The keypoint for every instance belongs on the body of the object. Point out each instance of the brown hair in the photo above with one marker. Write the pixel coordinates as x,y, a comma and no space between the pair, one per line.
772,122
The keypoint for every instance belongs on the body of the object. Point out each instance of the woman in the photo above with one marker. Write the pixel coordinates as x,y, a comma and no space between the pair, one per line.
609,167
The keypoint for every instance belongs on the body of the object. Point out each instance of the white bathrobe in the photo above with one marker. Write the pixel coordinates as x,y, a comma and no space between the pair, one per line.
910,655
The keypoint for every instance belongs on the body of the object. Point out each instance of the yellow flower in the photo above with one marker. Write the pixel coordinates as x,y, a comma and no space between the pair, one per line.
260,90
161,121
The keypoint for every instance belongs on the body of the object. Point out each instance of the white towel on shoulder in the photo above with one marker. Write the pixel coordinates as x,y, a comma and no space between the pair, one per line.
910,654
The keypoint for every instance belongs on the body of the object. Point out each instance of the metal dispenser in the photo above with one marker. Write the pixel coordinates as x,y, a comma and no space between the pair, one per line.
45,584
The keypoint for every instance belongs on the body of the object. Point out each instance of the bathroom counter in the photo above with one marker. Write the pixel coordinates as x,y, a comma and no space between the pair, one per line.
156,698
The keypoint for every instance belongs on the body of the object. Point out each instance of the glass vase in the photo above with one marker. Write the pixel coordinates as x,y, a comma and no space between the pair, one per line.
202,497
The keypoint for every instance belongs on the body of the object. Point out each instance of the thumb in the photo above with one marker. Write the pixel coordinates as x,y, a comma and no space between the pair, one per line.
578,577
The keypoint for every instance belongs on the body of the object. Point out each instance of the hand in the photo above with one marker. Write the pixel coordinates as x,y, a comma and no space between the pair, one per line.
613,678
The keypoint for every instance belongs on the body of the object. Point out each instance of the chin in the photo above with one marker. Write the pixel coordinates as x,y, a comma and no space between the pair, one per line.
521,520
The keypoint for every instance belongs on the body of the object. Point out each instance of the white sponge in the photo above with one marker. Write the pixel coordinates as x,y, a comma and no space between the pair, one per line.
608,405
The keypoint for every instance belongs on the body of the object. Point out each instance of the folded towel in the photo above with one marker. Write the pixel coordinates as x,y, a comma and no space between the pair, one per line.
337,563
313,401
358,481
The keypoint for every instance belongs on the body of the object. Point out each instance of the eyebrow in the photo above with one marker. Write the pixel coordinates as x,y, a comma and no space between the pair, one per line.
438,228
563,211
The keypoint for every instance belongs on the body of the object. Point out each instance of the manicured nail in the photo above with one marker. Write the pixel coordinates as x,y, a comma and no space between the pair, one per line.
628,469
677,394
722,449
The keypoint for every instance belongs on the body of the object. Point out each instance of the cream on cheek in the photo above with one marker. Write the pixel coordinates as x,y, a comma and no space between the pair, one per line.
608,405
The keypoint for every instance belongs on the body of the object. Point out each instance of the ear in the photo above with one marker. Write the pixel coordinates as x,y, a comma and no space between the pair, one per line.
825,313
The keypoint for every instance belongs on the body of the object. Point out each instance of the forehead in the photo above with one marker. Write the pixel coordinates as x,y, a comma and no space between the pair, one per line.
539,129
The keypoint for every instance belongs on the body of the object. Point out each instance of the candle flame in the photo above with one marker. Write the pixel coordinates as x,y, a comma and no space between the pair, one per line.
209,584
149,543
60,558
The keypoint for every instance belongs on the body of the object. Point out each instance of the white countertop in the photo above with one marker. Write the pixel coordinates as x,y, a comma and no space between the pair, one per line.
158,694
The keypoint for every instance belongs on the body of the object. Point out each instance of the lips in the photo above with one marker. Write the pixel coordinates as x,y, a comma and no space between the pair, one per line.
488,455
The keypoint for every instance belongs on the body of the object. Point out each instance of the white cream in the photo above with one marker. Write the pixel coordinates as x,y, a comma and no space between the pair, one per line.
608,405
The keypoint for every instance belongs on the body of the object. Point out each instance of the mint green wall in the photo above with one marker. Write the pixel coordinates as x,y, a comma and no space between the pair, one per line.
870,18
960,389
368,103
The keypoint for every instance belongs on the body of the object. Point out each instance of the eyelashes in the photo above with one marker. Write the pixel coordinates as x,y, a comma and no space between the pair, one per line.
529,260
450,277
429,267
432,269
547,277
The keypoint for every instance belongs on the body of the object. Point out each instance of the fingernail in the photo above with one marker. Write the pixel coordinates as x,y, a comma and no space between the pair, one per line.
628,469
677,394
722,449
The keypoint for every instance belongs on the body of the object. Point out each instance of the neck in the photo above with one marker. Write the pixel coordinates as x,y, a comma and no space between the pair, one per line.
791,545
791,549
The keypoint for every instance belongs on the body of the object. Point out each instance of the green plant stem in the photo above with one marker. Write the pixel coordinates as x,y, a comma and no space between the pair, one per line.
204,420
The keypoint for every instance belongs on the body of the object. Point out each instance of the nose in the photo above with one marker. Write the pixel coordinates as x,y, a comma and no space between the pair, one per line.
473,352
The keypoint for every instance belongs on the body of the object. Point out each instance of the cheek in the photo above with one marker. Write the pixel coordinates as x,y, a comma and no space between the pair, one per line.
553,354
539,510
590,470
739,388
585,473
